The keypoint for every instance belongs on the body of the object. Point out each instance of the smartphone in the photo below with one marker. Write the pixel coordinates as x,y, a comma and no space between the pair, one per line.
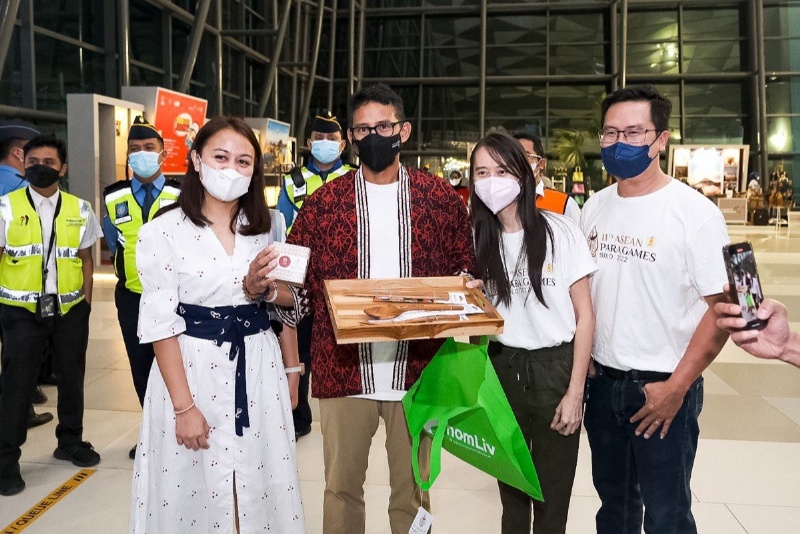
745,285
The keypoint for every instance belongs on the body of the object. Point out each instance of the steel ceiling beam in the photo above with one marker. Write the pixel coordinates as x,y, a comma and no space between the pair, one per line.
301,126
195,37
8,17
276,54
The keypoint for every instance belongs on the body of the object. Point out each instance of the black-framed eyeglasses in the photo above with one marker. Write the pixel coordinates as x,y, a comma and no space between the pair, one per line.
634,136
384,129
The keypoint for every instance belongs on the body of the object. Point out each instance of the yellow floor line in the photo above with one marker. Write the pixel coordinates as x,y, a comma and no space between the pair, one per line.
25,520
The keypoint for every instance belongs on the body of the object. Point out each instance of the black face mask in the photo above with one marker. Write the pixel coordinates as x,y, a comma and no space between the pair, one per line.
378,152
41,175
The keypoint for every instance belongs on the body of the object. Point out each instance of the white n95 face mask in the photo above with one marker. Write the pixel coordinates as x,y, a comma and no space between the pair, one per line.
496,192
223,184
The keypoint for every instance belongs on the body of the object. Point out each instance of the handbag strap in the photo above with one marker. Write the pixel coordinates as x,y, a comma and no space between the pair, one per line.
436,456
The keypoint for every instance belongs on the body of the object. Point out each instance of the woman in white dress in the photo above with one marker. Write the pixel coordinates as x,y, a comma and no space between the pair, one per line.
216,451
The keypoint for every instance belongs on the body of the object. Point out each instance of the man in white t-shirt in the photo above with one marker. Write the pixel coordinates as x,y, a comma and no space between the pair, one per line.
658,247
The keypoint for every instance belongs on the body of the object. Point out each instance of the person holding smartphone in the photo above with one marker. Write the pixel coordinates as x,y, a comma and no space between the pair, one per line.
774,342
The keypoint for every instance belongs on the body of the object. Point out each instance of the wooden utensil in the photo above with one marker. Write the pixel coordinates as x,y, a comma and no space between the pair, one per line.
390,311
401,295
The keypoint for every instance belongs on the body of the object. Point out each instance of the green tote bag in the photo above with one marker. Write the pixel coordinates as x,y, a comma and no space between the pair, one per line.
459,402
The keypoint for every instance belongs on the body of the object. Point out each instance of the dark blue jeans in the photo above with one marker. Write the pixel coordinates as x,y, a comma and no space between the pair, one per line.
632,474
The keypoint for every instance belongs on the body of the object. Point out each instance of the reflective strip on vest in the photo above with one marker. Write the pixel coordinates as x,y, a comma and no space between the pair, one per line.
66,252
311,185
27,250
18,296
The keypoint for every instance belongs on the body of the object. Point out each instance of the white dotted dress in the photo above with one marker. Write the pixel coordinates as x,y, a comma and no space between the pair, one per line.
178,490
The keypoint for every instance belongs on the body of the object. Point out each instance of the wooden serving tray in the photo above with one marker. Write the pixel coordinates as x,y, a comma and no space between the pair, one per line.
347,299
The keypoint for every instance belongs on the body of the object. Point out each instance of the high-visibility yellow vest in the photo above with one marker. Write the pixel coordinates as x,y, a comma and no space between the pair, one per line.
298,189
126,215
21,277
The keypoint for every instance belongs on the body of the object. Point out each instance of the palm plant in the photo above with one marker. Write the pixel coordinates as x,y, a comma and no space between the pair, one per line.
567,147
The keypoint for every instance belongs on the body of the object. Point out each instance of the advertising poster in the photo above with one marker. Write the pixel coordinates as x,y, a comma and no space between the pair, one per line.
276,146
178,117
730,159
706,170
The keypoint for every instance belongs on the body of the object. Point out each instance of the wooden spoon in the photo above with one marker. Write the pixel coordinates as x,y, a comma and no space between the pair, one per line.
390,311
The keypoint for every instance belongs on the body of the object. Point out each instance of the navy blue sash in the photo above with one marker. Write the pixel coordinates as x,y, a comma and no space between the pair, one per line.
231,324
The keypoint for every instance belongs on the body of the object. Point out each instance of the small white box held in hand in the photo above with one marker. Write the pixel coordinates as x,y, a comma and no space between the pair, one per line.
292,263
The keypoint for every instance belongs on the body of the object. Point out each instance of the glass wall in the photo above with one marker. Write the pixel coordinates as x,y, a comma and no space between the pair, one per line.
545,67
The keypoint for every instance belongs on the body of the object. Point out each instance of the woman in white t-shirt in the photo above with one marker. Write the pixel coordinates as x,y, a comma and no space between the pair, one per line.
536,267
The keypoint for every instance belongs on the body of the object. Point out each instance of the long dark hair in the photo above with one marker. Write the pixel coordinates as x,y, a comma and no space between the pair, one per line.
509,154
253,203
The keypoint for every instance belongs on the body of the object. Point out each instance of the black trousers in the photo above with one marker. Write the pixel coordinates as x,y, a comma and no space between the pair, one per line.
302,414
535,381
47,364
140,356
25,339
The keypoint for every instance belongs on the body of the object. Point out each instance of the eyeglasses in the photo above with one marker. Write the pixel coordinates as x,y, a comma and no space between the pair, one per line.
533,158
384,129
634,136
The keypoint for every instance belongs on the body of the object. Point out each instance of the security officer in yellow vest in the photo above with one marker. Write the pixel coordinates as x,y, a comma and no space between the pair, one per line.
326,143
14,135
130,204
46,268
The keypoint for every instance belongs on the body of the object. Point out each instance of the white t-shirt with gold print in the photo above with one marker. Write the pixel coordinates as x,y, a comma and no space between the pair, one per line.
658,255
529,324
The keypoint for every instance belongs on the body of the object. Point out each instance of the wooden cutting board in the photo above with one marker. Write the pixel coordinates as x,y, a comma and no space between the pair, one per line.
347,300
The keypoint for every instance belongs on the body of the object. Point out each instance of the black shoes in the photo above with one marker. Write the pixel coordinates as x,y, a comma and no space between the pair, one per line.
132,453
38,419
38,396
80,454
11,481
302,432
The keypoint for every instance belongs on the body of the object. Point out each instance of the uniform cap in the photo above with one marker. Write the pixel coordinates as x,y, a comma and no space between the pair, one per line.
16,129
326,123
141,129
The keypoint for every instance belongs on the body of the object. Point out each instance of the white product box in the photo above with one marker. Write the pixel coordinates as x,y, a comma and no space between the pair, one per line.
292,263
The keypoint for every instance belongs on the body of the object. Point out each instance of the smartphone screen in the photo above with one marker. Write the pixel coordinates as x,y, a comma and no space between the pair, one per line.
745,285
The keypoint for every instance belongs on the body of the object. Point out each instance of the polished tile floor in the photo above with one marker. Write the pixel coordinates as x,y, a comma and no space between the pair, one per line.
746,478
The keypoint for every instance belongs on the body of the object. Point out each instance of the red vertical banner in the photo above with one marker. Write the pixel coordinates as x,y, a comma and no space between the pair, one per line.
177,118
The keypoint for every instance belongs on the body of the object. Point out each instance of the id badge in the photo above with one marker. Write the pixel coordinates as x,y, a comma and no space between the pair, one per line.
46,306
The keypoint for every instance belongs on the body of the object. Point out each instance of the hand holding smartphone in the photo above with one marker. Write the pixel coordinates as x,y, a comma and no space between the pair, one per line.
745,285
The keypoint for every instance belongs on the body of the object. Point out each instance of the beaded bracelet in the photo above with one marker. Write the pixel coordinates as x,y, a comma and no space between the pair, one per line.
247,294
262,297
178,412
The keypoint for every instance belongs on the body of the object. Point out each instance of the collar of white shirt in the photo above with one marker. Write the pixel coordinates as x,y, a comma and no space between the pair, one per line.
38,199
540,189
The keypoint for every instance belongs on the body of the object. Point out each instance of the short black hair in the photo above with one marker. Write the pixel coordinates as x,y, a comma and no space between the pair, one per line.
538,146
47,141
380,93
660,106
